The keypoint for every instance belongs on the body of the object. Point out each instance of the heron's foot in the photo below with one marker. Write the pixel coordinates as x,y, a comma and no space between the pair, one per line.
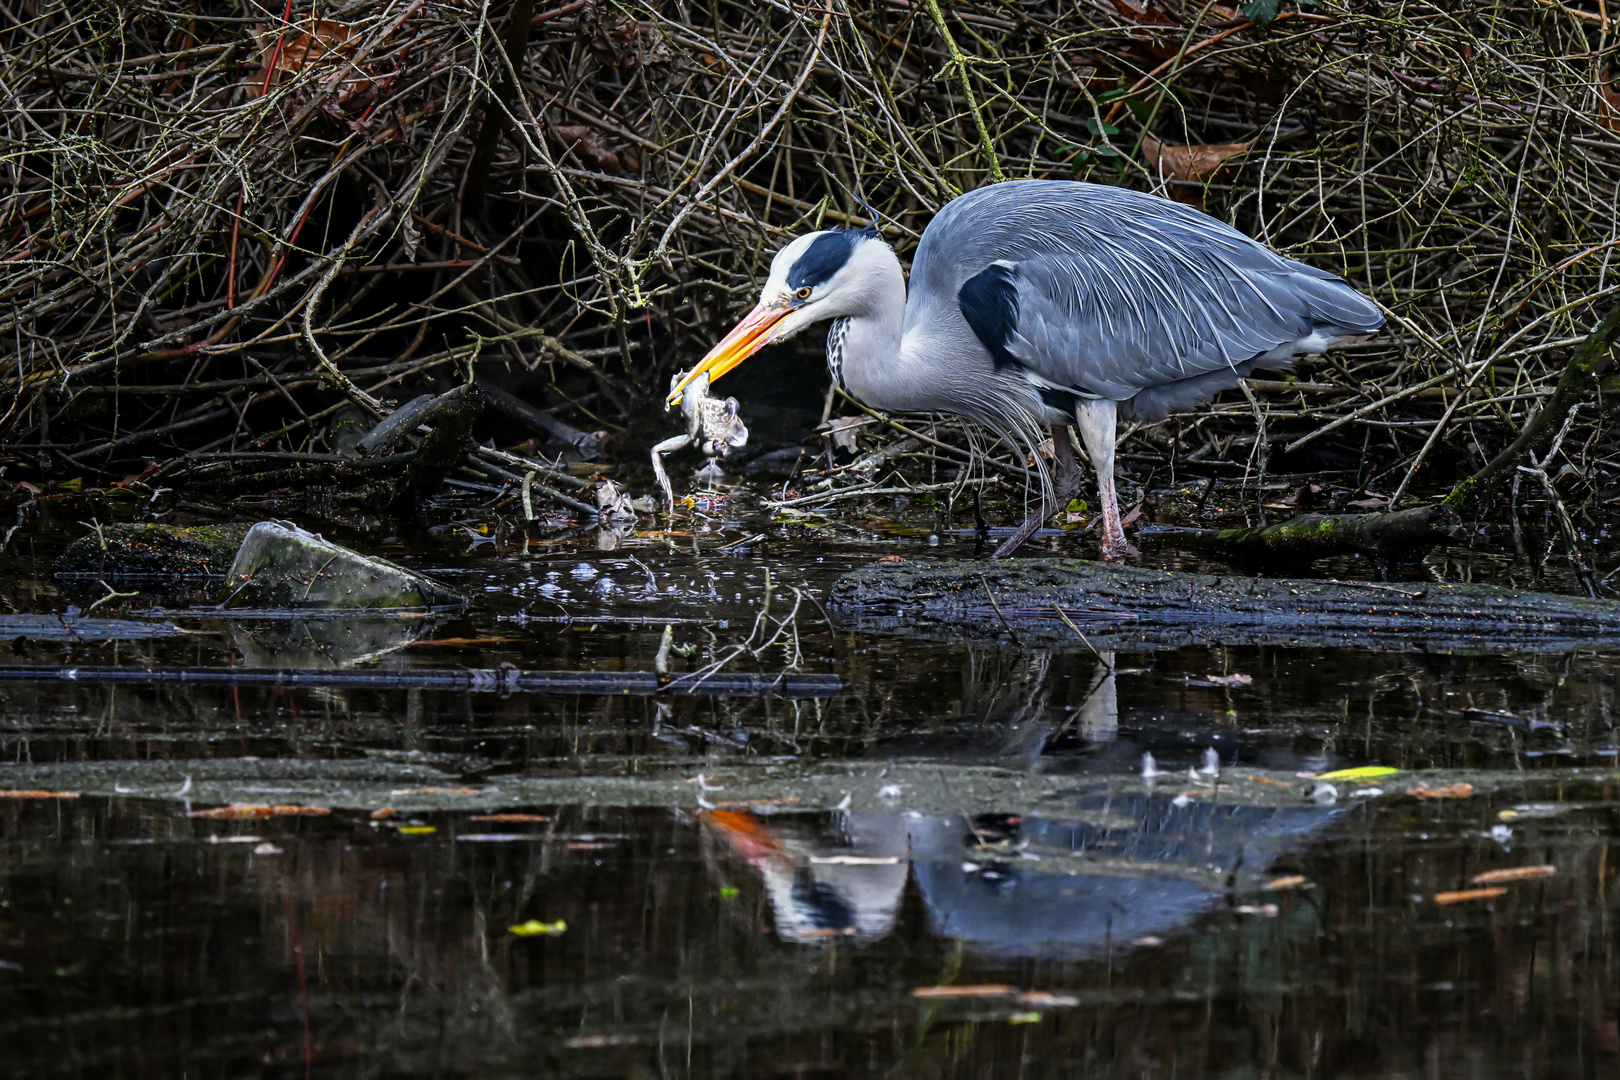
1113,547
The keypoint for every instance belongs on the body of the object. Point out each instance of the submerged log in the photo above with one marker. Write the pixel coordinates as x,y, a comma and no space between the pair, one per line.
1402,536
1039,600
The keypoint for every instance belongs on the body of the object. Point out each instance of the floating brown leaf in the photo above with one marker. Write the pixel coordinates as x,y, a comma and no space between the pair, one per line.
1292,881
983,990
1446,791
39,794
509,817
1186,170
1467,894
253,811
1513,873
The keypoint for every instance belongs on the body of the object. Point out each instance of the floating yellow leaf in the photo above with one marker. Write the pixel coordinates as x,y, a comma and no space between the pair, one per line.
416,830
1361,772
534,928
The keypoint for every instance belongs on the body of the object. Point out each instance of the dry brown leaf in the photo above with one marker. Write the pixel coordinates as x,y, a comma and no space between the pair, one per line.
39,794
254,811
1447,791
841,430
590,145
300,49
1609,111
983,990
616,40
1513,873
382,813
1186,170
1467,894
1143,13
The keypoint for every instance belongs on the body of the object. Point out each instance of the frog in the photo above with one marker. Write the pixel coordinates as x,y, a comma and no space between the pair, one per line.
713,425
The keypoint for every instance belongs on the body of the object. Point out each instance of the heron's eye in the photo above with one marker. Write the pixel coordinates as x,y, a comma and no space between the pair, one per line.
804,293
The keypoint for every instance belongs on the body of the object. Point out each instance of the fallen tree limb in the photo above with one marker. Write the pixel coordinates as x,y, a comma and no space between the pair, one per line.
1403,535
1130,606
1587,366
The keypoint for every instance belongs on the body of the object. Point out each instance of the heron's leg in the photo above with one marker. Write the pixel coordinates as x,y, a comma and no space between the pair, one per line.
658,452
1096,421
1065,485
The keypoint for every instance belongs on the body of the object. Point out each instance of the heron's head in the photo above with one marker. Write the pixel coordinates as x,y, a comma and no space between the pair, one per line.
818,276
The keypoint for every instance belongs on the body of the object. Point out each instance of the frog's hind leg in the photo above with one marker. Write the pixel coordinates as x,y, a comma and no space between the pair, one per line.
668,446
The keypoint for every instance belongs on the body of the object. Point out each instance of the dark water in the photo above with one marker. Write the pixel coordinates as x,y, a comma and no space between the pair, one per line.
760,886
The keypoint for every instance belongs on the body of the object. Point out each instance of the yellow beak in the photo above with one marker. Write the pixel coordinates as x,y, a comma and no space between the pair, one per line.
745,339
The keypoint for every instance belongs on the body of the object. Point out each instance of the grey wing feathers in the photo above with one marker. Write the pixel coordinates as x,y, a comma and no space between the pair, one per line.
1118,292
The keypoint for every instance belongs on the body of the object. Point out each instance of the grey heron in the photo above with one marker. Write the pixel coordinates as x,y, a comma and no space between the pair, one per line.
1040,304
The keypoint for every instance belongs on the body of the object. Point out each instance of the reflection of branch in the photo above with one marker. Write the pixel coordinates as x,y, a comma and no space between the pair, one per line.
747,646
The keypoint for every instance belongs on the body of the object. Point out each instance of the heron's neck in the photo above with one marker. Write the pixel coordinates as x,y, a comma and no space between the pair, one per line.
864,351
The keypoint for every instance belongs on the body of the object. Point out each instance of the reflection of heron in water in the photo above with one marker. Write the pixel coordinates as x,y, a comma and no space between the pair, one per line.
1109,874
1111,869
835,879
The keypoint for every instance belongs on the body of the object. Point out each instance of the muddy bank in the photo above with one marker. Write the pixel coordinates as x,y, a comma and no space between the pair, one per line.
1125,605
143,551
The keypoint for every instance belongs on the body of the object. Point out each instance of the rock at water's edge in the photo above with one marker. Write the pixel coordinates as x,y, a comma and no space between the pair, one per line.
282,566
